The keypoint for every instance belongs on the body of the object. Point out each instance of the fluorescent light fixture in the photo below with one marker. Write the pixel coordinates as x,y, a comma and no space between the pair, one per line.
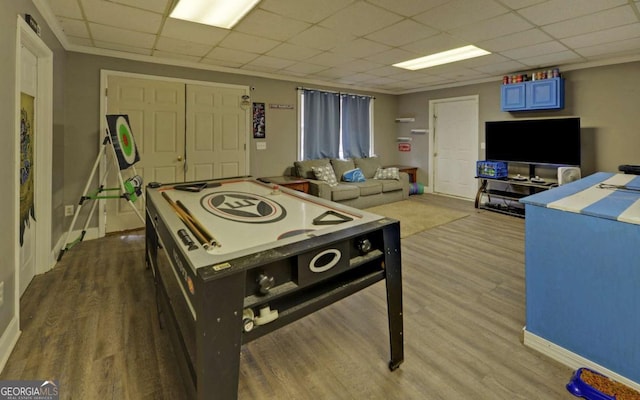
445,57
220,13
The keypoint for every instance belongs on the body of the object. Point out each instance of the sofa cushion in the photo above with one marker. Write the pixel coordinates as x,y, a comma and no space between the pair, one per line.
390,185
341,166
368,188
387,173
325,173
304,168
353,175
369,166
344,192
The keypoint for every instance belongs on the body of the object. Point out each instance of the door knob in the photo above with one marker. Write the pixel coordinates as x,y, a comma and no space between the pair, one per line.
179,158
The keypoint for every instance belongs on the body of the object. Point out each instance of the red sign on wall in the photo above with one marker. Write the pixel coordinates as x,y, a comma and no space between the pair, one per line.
404,147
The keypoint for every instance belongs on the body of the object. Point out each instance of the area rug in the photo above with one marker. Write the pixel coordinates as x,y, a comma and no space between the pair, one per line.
416,216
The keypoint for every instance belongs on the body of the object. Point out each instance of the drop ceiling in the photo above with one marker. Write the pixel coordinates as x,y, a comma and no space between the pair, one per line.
352,44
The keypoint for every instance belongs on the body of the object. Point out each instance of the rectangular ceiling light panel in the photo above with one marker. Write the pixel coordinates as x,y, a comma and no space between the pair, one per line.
220,13
445,57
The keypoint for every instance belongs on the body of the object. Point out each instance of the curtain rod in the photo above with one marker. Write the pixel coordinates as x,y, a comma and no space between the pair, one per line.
333,91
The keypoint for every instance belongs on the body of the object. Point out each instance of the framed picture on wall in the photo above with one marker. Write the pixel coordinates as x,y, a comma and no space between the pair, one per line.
258,121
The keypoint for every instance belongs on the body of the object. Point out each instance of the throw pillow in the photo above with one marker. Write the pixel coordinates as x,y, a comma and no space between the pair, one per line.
387,173
341,166
353,175
368,165
325,173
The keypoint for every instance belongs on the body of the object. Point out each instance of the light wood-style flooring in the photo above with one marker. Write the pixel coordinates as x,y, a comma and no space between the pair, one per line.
91,323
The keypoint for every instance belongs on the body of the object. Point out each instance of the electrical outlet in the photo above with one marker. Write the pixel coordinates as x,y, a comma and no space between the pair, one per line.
1,293
68,210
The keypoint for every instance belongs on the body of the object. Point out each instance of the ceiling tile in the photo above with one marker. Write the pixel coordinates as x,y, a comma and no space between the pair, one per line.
621,47
404,32
435,44
550,59
232,55
591,23
182,47
175,56
502,25
387,70
563,10
515,40
408,8
329,59
293,52
272,63
74,27
309,11
305,68
535,50
355,78
123,47
320,38
158,6
266,24
361,65
360,48
66,8
502,68
605,36
457,13
250,43
199,33
121,36
133,19
518,4
360,19
483,60
393,56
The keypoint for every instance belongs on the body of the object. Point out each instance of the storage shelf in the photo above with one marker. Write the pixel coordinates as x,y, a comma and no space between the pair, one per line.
509,193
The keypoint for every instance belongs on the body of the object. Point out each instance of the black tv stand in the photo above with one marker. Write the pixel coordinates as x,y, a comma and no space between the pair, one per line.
507,191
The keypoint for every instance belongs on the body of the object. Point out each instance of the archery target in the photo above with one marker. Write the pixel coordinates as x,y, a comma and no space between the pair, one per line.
122,140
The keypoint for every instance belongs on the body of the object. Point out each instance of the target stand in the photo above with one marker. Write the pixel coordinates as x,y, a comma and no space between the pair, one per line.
124,151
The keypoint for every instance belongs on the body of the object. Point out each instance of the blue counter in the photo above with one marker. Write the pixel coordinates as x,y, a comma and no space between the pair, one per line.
582,261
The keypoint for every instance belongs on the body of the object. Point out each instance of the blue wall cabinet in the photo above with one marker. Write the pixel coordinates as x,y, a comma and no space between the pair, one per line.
545,94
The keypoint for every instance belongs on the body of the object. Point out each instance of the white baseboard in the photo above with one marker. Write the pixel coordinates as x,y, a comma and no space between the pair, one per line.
570,358
8,341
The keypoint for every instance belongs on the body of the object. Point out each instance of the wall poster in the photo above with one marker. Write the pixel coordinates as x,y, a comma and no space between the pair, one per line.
27,209
258,121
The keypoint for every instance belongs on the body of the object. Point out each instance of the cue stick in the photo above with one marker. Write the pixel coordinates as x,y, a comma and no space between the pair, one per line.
185,218
212,240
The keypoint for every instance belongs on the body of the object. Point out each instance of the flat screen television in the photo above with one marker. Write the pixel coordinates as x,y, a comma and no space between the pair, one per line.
553,141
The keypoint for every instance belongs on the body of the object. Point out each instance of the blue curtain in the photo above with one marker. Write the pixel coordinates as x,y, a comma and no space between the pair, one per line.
321,124
355,125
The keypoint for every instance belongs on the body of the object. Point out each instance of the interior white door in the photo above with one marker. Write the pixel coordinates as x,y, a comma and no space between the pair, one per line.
156,111
28,137
216,132
455,130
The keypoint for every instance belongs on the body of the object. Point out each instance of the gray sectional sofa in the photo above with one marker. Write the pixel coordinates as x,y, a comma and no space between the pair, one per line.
372,192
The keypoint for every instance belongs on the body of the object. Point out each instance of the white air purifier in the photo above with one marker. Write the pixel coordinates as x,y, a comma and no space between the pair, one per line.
568,174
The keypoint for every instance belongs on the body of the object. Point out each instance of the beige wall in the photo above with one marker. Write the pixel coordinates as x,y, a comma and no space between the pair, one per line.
605,98
9,11
83,116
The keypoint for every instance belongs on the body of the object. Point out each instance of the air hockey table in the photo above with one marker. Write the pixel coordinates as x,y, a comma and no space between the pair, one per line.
236,259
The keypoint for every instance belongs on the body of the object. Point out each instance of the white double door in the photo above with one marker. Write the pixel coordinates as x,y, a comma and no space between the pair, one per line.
183,132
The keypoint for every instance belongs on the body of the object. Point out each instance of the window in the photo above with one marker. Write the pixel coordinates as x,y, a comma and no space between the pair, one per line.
335,125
